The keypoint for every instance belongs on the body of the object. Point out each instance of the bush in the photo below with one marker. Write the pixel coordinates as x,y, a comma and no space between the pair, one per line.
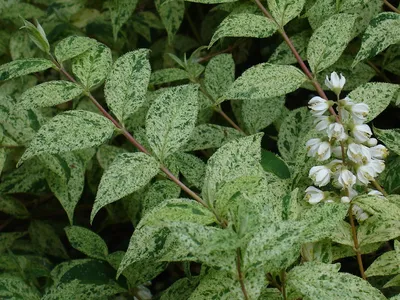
187,125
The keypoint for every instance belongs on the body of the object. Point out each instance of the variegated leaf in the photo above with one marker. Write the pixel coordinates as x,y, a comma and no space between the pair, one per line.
171,14
129,172
87,241
158,192
72,46
126,85
13,206
49,94
284,56
171,120
219,74
390,137
21,67
168,75
286,10
120,11
15,287
192,168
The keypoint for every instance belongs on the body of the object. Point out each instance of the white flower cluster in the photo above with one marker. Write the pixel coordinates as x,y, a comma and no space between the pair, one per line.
357,157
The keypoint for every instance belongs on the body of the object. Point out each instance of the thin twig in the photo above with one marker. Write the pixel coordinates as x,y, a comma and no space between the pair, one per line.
379,188
355,241
378,72
211,55
388,4
240,274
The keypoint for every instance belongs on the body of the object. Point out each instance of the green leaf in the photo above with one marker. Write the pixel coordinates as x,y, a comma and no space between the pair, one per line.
286,10
395,281
72,46
158,192
329,41
87,241
171,120
320,281
377,95
92,66
46,240
275,247
386,264
390,177
293,131
171,14
211,1
180,289
14,287
375,230
382,32
7,239
235,159
129,172
244,25
120,11
14,10
192,168
107,153
72,130
284,56
273,164
126,85
379,206
390,137
206,136
21,67
21,46
168,75
318,252
219,74
14,207
177,210
265,81
49,94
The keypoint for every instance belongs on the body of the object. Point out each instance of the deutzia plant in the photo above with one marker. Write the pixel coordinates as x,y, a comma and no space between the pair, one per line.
352,158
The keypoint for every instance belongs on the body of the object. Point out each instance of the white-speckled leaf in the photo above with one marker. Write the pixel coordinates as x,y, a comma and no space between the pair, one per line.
260,113
235,159
168,75
3,157
171,14
377,95
126,85
158,192
92,66
219,74
107,153
375,230
378,206
72,46
386,264
264,81
120,11
244,25
323,281
72,130
328,42
14,287
13,206
49,94
45,239
129,172
171,119
177,210
87,242
383,31
284,56
21,46
390,137
7,239
206,136
192,168
284,11
292,132
22,67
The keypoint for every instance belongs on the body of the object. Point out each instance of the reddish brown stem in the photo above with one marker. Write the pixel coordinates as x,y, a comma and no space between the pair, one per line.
388,4
378,72
240,274
356,245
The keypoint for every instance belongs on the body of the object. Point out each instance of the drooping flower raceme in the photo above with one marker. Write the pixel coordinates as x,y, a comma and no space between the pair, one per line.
359,158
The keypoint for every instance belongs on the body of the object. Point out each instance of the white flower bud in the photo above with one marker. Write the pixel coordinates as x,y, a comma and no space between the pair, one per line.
345,199
352,193
329,201
320,175
324,151
337,151
375,193
372,142
359,154
314,195
322,122
346,179
359,213
379,151
335,83
312,146
359,112
361,133
377,165
337,132
365,174
318,106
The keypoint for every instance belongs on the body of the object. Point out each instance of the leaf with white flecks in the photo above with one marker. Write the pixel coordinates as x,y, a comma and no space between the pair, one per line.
390,137
171,14
120,11
49,94
21,67
87,241
15,287
72,46
219,74
126,85
71,130
171,119
129,172
285,11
